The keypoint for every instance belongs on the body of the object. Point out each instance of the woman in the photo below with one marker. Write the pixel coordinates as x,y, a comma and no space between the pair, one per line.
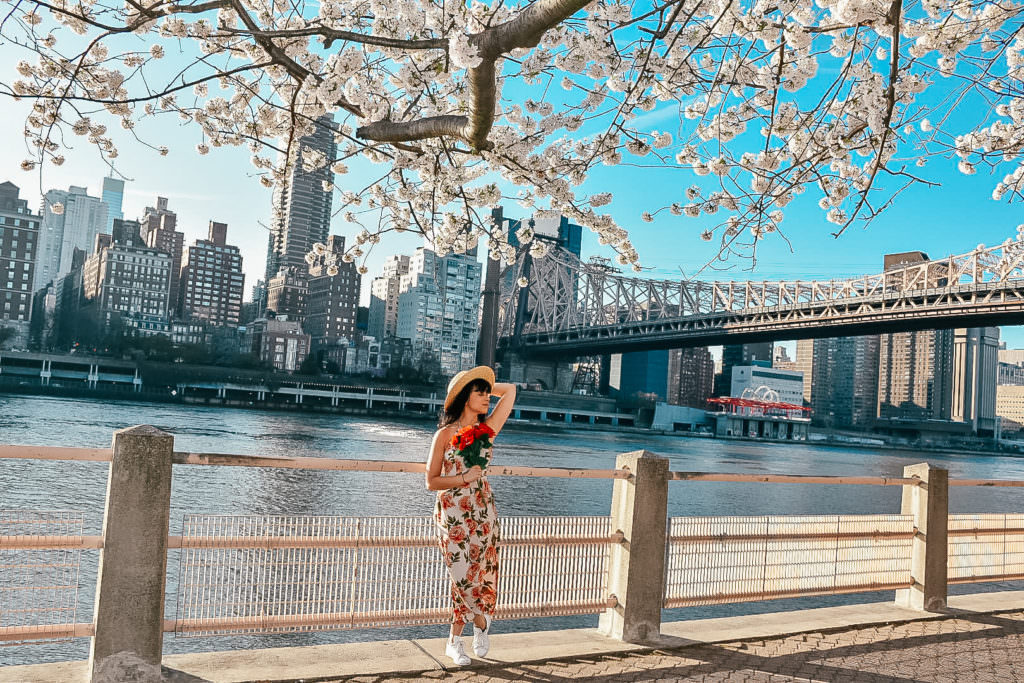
465,514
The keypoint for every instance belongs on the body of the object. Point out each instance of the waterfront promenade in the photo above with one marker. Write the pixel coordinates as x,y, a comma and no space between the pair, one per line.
638,562
979,638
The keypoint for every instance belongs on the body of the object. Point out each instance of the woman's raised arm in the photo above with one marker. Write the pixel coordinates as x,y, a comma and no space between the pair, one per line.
506,394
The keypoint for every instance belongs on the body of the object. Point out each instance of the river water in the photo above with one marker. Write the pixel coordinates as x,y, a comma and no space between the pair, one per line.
37,485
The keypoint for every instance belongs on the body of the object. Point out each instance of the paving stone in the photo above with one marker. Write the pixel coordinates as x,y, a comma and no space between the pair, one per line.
982,648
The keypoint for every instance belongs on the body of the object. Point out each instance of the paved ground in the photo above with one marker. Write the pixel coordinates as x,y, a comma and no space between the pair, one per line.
972,647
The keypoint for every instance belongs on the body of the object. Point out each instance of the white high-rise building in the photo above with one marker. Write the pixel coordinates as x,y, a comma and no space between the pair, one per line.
438,309
383,314
83,218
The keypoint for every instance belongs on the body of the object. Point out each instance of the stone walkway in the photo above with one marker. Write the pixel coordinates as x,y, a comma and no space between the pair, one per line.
970,647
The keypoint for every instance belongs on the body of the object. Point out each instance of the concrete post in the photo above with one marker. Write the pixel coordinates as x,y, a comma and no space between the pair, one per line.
129,611
928,502
636,570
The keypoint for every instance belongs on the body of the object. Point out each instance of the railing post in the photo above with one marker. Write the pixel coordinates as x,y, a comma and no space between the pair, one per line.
129,610
636,570
928,502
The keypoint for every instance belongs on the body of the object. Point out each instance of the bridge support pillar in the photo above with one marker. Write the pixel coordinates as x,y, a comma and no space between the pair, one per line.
928,502
552,375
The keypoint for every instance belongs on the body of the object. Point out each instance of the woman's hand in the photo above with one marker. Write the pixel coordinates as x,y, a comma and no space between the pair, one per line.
472,474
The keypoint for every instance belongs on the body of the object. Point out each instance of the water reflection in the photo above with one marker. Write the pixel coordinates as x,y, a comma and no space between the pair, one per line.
241,490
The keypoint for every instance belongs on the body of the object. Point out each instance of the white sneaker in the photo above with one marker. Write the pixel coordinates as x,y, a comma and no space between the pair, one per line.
455,650
481,639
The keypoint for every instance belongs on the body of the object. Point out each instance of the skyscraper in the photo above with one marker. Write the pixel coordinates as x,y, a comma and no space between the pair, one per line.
691,377
83,218
915,368
975,361
914,373
212,281
843,389
639,372
383,316
302,206
19,237
158,230
113,197
333,299
438,309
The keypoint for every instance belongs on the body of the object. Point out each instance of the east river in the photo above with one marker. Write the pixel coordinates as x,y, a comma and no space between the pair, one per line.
37,485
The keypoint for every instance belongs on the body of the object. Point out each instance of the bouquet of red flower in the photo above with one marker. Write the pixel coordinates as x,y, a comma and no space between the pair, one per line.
470,442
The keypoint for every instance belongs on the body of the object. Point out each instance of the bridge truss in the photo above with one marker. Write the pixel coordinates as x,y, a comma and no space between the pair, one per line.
574,308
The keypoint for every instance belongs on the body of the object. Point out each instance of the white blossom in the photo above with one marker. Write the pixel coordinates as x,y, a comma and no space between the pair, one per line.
443,133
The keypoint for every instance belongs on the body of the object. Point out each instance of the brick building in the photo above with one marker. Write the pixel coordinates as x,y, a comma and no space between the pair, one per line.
212,281
19,239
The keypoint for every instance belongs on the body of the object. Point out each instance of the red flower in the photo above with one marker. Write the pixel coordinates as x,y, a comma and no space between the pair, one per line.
471,573
457,534
467,435
474,553
491,554
466,504
446,499
471,525
485,528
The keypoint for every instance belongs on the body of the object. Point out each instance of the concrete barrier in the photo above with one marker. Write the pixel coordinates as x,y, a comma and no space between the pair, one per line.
636,567
129,611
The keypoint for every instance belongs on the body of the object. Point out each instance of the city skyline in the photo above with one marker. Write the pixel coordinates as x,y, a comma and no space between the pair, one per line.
1012,335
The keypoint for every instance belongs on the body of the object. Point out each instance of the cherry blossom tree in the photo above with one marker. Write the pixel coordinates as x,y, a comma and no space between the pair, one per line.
460,106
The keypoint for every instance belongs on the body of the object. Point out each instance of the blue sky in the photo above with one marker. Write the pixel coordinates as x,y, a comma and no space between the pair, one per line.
953,218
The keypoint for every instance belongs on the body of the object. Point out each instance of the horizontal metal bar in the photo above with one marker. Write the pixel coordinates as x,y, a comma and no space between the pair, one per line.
834,536
791,479
360,618
723,598
45,631
54,453
982,579
984,532
337,464
266,542
35,542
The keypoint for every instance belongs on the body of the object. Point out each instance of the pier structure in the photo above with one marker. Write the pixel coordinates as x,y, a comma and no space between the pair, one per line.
286,391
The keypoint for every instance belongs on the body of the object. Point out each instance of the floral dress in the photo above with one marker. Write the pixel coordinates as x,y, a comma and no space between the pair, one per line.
468,534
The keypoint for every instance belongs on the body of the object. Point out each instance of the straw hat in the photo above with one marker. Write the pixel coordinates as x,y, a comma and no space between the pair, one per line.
461,379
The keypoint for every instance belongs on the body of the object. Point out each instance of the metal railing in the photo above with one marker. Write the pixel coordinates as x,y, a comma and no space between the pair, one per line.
986,548
39,573
713,560
274,574
244,574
